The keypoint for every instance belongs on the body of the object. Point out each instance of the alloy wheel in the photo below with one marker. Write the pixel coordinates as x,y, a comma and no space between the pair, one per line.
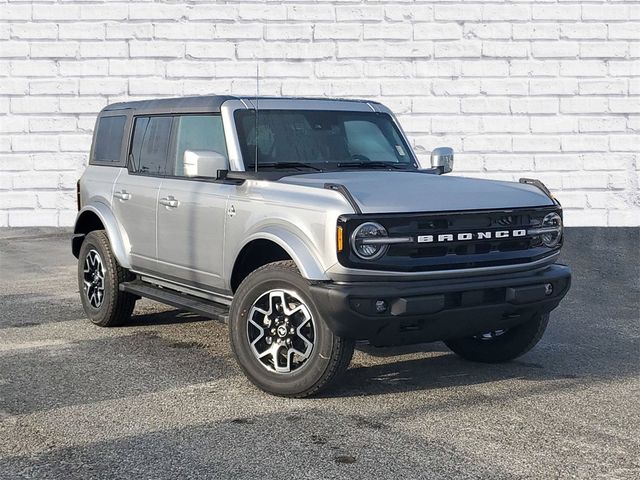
93,278
488,336
281,331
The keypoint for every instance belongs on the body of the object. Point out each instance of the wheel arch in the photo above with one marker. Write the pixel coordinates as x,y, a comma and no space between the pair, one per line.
98,216
271,245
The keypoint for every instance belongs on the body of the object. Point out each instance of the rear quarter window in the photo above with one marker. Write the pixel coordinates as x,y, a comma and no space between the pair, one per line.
109,135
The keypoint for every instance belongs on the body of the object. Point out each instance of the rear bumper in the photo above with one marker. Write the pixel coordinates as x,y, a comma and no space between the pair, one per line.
429,310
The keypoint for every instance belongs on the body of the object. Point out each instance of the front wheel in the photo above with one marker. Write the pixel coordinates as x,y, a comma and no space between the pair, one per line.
279,338
501,345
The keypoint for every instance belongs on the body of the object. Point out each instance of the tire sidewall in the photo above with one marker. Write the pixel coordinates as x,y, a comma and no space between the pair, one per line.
514,343
101,314
314,367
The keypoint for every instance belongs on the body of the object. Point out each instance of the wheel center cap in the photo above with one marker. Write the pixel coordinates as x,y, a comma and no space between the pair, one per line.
282,331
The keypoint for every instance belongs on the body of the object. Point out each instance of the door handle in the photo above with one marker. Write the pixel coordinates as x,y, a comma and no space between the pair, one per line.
122,195
169,202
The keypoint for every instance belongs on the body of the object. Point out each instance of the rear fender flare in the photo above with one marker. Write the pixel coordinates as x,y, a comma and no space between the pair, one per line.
118,239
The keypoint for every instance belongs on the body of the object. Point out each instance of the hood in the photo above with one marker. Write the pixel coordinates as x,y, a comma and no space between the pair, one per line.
394,192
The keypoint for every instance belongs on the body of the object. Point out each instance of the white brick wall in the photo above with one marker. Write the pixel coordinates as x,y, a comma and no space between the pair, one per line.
548,89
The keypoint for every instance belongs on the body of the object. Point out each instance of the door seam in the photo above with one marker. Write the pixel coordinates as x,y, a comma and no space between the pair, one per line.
156,222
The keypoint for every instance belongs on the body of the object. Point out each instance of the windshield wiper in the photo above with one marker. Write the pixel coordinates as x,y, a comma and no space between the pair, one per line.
372,165
283,165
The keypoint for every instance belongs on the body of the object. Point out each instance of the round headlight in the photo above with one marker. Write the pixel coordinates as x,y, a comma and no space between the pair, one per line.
365,241
552,227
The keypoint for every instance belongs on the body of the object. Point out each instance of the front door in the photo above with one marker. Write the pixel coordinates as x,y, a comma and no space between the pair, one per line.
135,193
191,217
192,211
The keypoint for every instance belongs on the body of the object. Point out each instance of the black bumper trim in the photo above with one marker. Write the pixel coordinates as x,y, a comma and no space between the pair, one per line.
429,310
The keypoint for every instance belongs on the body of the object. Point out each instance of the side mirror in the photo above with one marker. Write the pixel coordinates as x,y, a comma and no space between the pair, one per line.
442,159
204,163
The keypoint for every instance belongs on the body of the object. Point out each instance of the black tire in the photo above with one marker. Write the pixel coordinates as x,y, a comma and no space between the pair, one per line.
511,344
329,356
113,307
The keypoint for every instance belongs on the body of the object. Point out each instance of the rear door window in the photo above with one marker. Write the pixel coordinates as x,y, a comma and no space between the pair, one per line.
150,145
109,136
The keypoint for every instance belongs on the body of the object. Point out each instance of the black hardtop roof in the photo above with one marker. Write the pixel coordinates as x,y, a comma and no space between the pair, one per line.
210,103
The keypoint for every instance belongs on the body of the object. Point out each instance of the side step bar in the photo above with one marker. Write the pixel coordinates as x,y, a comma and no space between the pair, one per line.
203,307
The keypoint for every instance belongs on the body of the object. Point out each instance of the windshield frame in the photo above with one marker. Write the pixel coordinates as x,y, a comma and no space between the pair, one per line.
411,164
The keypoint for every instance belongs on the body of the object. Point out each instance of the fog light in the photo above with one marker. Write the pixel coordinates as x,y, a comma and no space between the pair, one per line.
548,289
381,306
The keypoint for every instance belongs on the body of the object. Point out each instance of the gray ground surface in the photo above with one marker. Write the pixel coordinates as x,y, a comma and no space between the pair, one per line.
162,398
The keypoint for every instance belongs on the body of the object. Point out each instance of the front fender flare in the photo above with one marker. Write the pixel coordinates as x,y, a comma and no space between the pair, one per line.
118,239
300,252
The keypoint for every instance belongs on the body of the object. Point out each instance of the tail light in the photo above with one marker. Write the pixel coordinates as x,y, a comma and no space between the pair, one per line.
78,195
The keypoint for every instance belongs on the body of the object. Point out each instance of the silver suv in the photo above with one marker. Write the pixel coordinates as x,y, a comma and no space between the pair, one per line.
309,224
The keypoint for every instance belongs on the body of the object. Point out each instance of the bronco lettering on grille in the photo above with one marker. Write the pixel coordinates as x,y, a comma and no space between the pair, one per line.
466,236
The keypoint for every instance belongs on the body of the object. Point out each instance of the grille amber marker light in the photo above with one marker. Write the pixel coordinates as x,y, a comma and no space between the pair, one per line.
339,238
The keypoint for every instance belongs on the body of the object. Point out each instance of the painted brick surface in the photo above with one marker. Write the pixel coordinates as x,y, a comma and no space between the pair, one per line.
547,89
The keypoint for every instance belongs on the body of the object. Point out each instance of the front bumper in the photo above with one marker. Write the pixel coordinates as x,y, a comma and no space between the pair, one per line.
430,310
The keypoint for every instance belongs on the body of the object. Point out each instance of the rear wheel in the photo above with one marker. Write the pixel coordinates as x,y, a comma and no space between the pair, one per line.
501,345
99,279
279,338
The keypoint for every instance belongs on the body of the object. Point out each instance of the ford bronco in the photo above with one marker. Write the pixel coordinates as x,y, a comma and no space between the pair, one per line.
308,225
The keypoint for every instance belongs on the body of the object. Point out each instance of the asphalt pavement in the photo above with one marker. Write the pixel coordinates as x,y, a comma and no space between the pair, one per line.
163,398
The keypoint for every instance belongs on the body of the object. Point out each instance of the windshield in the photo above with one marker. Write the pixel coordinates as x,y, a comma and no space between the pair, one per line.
320,140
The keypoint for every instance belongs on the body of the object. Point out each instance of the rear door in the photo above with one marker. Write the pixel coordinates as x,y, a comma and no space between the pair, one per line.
135,194
192,212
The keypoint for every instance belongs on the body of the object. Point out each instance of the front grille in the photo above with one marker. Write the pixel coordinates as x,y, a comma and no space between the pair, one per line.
478,252
459,248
